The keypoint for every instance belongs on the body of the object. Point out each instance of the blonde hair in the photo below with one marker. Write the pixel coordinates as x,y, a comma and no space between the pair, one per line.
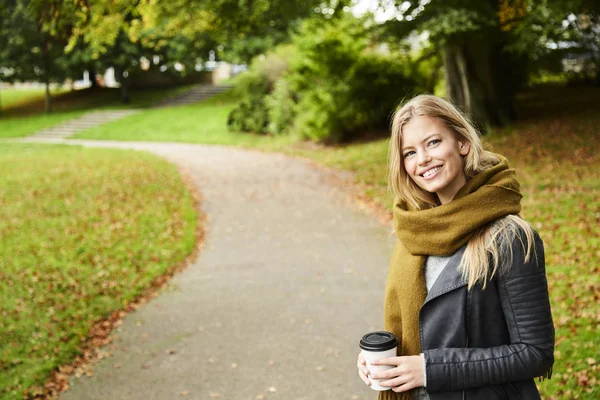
490,243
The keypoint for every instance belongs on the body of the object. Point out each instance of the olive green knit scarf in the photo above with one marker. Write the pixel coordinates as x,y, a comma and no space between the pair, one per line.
439,231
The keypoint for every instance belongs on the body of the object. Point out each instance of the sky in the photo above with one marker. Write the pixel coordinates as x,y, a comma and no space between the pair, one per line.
362,6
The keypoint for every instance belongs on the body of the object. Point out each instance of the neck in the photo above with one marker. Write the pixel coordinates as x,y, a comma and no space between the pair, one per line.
448,194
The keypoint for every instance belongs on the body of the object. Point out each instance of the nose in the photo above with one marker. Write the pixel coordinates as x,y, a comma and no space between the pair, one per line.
423,158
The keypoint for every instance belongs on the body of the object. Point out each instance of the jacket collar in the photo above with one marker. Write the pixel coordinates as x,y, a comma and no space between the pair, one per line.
450,278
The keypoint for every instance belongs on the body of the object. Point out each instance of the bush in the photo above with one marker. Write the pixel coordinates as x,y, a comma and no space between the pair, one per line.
281,106
329,85
343,83
252,114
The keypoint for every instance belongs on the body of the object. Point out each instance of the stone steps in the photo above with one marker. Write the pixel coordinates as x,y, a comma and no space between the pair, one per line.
95,118
194,95
82,123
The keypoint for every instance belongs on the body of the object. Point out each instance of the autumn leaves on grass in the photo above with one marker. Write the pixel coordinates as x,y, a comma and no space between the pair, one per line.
84,232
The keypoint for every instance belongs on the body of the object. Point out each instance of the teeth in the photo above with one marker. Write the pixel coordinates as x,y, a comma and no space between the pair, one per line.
431,171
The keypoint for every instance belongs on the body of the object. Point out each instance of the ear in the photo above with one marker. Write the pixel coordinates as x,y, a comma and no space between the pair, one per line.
464,148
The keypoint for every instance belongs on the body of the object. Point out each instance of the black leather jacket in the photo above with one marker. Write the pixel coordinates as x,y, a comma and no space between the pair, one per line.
488,344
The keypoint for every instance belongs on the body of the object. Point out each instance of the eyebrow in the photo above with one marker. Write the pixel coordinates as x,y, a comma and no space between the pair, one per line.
424,140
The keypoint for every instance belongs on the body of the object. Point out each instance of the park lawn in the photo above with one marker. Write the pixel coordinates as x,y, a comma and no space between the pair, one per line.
91,99
83,232
17,127
26,116
203,122
555,149
10,98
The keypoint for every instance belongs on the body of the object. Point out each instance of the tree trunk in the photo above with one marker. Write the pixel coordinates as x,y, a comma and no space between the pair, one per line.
46,53
125,90
92,76
122,78
48,98
477,81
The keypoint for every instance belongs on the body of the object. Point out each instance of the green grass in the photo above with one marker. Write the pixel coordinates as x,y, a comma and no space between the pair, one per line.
203,122
82,233
90,99
556,150
25,126
24,115
11,98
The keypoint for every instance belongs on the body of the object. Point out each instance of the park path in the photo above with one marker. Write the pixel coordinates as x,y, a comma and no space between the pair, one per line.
95,118
290,277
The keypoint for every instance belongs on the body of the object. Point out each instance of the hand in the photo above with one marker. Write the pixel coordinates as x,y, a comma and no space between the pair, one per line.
407,373
363,372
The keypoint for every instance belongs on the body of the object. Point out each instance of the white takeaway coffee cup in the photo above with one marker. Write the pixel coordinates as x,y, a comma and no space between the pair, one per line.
376,345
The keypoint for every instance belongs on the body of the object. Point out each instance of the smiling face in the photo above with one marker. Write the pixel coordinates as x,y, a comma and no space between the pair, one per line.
433,156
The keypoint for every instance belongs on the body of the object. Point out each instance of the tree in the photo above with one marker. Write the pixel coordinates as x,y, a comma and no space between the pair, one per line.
487,47
34,35
242,29
121,34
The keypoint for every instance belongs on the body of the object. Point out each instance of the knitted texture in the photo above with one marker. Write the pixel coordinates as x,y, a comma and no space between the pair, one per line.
440,231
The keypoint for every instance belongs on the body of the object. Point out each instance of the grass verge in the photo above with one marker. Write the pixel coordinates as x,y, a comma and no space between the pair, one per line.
83,232
203,122
24,114
12,98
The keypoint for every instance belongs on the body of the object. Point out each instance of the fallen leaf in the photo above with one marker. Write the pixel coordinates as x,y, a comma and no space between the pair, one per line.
233,365
214,395
185,392
272,389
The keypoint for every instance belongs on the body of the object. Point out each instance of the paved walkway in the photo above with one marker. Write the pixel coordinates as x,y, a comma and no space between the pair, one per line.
291,276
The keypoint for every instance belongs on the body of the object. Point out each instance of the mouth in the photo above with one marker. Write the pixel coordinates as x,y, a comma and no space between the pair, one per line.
431,172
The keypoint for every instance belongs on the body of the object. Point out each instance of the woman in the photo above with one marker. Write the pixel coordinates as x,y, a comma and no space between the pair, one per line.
466,291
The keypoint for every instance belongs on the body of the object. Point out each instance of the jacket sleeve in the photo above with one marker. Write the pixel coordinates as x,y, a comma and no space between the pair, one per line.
523,291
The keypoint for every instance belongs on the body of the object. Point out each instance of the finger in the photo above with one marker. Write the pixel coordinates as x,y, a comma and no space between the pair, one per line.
387,374
364,378
397,379
403,388
398,382
387,361
363,368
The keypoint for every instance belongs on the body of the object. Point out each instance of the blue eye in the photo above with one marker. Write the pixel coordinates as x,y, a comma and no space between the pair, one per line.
409,153
434,141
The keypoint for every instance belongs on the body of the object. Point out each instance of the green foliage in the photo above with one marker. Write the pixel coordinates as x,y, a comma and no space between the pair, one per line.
281,107
242,29
252,114
454,22
32,40
331,83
